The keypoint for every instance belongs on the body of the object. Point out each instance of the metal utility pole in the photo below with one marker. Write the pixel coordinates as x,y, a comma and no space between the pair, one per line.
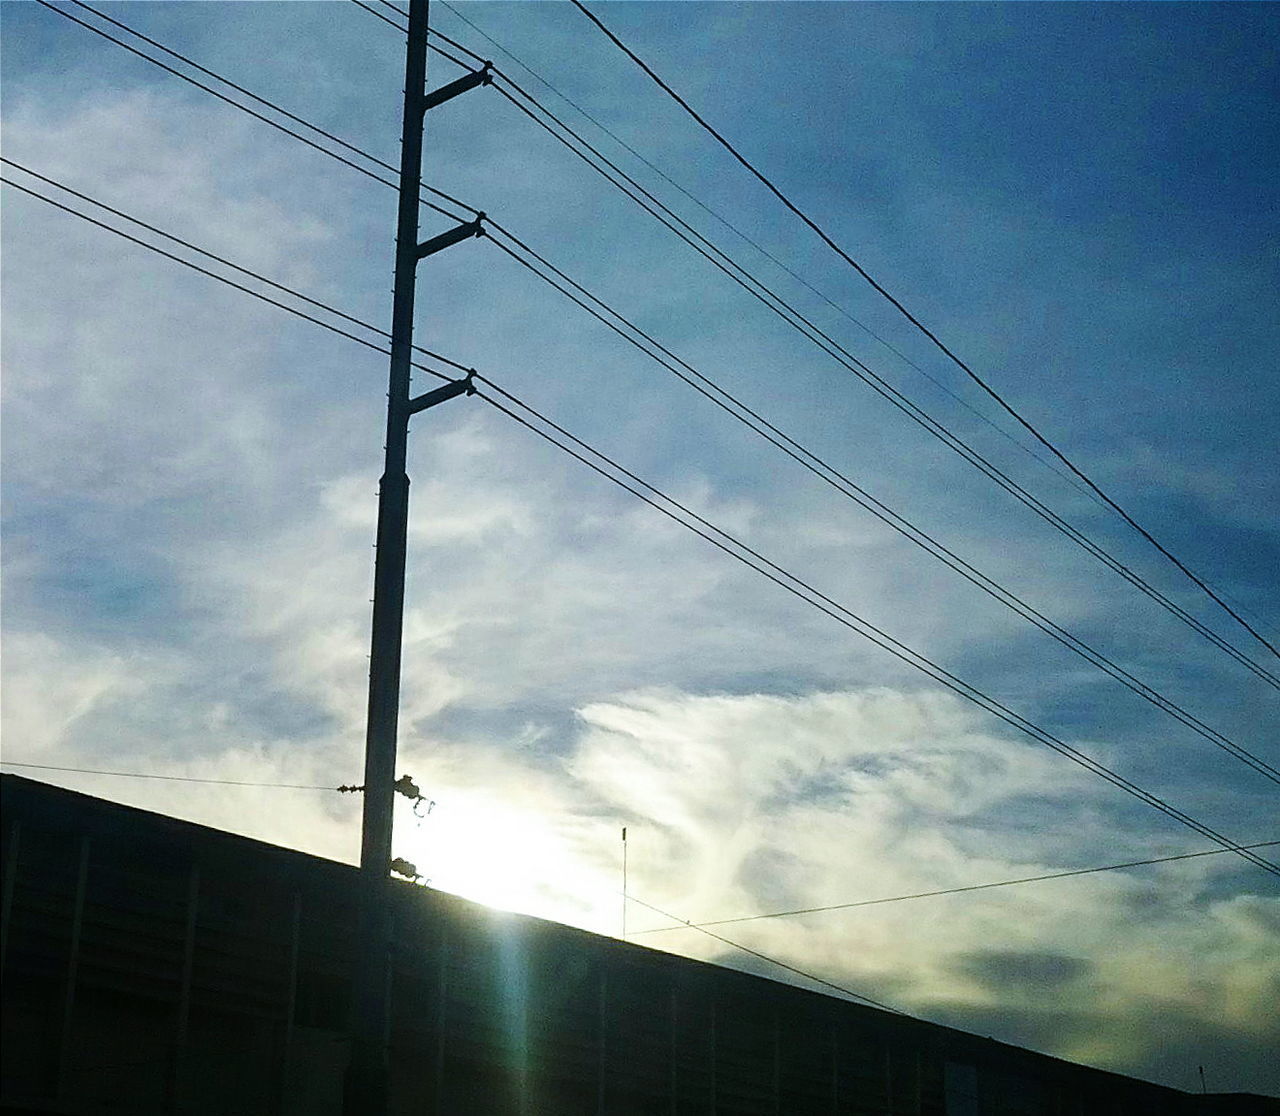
366,1089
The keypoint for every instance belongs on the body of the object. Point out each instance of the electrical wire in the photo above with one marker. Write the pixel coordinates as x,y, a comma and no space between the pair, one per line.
939,431
847,487
378,15
882,512
882,387
319,787
219,259
861,370
857,367
851,620
775,961
780,264
794,585
995,395
681,925
244,108
850,489
213,275
171,778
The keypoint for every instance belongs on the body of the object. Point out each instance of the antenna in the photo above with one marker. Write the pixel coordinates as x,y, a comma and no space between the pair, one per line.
624,883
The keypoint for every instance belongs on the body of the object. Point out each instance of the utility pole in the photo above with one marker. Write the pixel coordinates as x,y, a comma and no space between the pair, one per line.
366,1087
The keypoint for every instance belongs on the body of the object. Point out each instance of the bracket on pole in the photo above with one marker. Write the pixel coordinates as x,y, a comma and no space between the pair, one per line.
454,88
443,393
450,238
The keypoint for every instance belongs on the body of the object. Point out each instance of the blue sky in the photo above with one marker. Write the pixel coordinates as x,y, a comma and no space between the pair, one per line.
1078,198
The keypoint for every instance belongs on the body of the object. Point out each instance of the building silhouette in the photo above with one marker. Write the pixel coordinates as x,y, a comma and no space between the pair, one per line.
156,966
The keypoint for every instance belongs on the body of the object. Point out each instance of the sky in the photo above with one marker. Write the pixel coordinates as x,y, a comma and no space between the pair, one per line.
1079,199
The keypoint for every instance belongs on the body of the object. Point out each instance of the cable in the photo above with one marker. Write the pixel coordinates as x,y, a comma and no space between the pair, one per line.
929,333
974,576
781,964
798,588
680,925
222,260
244,108
378,15
170,778
901,402
806,327
214,275
1052,629
210,255
306,786
780,264
1157,699
757,418
878,509
851,620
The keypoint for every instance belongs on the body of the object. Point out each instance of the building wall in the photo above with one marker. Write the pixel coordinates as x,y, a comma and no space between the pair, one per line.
156,966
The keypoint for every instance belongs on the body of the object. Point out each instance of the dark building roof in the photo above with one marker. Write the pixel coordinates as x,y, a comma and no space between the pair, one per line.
155,965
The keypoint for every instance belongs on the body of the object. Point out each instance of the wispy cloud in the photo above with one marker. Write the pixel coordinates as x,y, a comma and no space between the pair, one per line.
189,511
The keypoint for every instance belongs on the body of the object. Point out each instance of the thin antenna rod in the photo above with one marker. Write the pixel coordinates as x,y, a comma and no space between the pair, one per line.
624,883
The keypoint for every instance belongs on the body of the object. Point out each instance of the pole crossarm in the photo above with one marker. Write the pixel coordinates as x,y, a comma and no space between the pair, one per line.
454,88
451,237
442,394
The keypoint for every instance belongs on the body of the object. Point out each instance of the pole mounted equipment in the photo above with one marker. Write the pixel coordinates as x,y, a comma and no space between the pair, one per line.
366,1088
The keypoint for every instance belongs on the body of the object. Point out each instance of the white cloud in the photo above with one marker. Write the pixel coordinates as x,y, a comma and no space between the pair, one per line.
188,554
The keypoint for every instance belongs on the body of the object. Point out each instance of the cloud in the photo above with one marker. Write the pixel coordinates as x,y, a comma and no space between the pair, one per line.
1038,972
189,511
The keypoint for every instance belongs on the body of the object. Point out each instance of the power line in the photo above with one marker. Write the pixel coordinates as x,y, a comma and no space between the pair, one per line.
244,108
850,489
213,275
807,328
857,366
1005,405
851,620
876,382
780,264
798,321
378,15
881,511
847,487
172,778
681,925
783,578
775,961
209,255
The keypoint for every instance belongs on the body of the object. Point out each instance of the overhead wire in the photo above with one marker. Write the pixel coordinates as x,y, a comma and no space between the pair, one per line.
797,320
213,275
776,961
245,108
763,251
902,403
735,945
849,619
1229,746
172,778
933,337
849,488
678,924
686,925
869,502
792,584
218,259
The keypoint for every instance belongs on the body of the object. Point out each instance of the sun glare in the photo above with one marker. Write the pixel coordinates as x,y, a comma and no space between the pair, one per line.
496,853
